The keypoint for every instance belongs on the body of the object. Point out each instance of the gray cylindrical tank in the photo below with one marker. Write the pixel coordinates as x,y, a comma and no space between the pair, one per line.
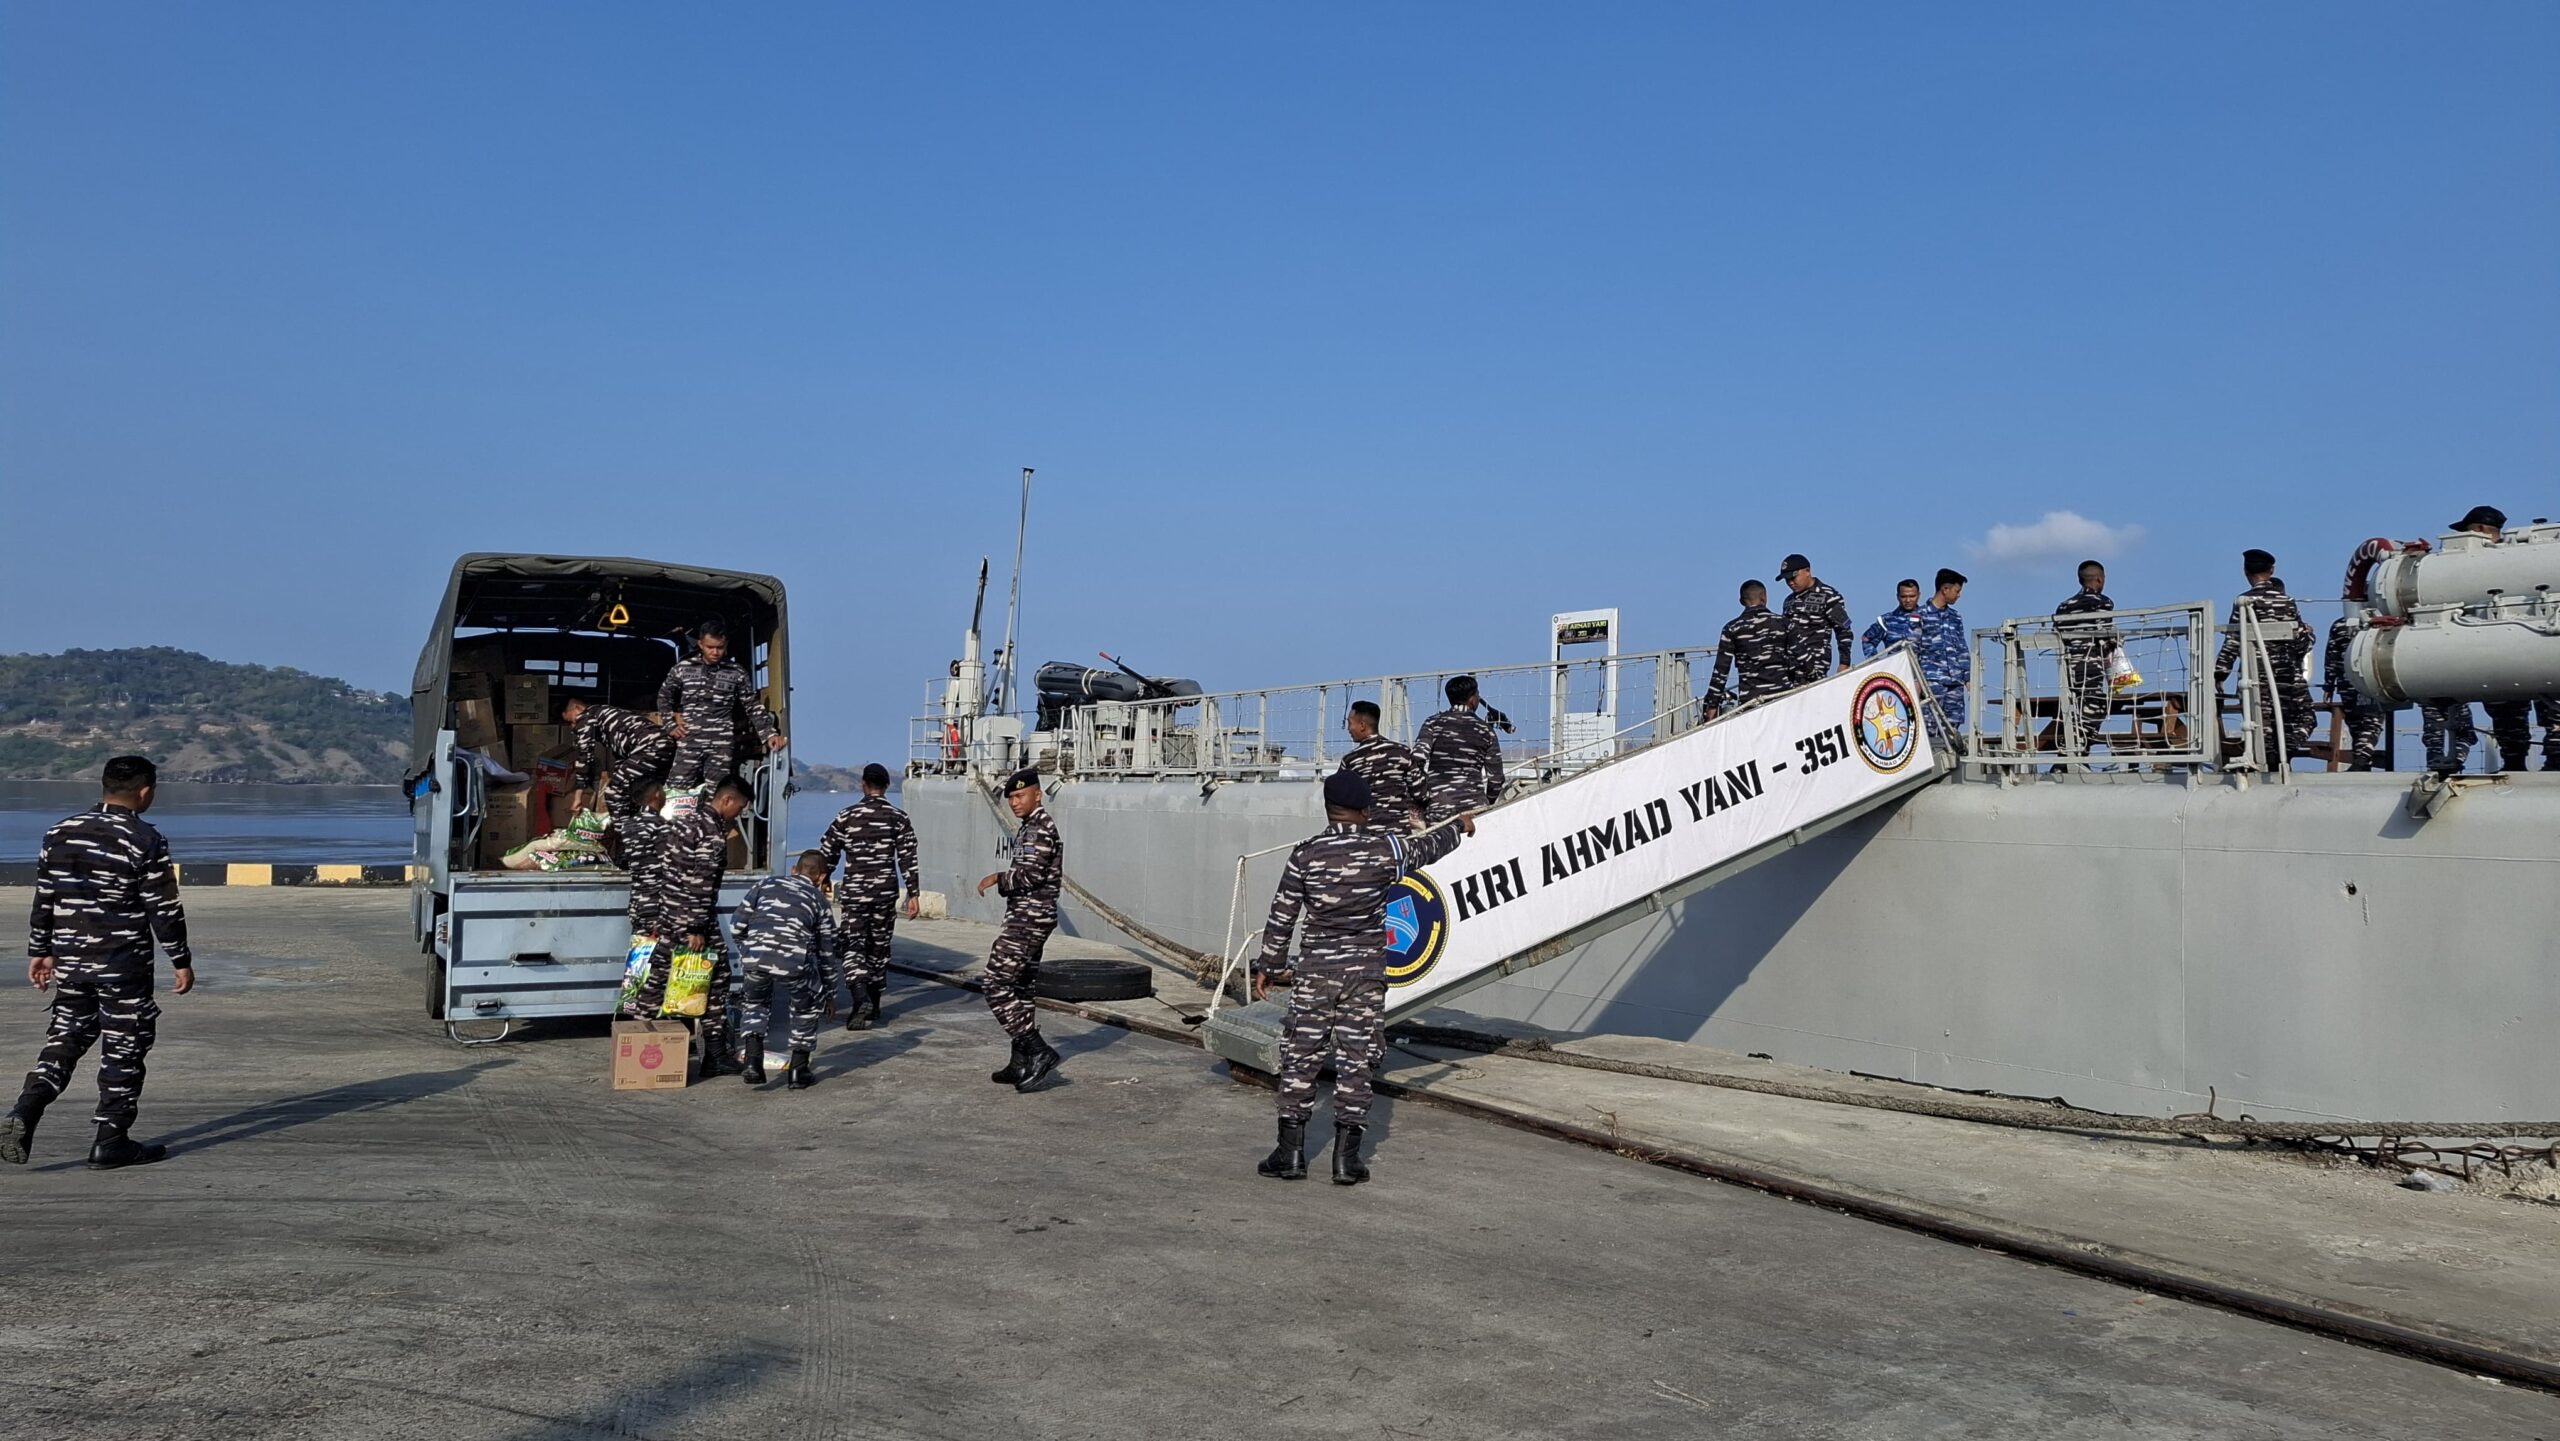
2456,660
2465,569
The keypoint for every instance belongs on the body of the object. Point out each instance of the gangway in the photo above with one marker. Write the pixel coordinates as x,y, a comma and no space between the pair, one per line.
1563,865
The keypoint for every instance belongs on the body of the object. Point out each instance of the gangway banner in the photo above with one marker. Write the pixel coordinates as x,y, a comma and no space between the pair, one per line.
1613,835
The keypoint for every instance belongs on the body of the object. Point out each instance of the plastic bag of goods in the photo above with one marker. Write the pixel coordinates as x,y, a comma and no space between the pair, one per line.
635,969
688,984
2121,676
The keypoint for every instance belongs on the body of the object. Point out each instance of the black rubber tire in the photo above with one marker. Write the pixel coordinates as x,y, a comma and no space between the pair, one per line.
1084,979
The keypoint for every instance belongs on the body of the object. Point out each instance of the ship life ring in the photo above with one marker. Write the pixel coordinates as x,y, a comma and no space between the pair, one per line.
951,740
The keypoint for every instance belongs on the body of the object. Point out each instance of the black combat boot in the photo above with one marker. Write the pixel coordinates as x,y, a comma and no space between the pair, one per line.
1039,1063
795,1074
18,1129
1012,1071
751,1061
1288,1160
116,1149
871,992
1348,1168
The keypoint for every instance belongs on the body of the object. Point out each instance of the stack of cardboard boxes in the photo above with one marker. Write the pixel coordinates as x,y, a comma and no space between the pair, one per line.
509,719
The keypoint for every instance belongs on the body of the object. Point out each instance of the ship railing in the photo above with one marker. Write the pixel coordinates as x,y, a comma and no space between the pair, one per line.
1562,716
2041,696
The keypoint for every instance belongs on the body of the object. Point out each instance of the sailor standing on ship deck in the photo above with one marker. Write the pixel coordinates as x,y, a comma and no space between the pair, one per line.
2087,694
1394,773
877,844
1820,617
1946,658
703,698
1030,890
1339,880
1898,626
2284,691
1757,648
1461,760
2510,721
104,891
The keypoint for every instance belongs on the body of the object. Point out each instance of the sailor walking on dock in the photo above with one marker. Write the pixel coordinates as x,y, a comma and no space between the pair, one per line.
1394,773
105,891
787,933
1339,881
877,844
1461,759
1030,890
704,697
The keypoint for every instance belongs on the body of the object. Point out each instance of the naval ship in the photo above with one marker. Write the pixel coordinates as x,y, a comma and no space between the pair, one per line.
2157,914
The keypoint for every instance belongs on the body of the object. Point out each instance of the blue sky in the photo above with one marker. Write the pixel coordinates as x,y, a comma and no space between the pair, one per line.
1345,339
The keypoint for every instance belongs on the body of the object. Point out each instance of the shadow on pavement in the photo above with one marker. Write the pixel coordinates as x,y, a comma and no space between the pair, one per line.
662,1406
348,1100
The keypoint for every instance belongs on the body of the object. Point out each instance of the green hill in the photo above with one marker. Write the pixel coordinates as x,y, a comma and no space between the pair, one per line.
61,716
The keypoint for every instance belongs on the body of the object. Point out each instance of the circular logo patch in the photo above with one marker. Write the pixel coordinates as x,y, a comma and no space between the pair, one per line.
1417,925
651,1057
1886,722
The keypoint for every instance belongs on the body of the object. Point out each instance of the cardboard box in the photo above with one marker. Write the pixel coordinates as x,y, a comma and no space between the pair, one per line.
528,700
533,743
508,825
472,685
475,724
651,1056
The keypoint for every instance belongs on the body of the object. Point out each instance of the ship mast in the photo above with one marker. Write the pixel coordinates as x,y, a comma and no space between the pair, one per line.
1013,606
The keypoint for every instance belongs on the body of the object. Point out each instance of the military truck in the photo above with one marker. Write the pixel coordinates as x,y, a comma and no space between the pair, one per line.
514,638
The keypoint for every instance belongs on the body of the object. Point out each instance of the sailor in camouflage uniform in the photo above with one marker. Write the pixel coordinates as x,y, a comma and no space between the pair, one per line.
1030,890
105,890
1758,648
703,697
1394,773
676,898
787,933
1819,616
1946,658
1461,760
1339,880
2087,695
641,752
877,844
2284,688
2364,719
2510,720
1898,626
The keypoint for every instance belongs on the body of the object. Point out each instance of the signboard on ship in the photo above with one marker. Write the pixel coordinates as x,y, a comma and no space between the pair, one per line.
1541,866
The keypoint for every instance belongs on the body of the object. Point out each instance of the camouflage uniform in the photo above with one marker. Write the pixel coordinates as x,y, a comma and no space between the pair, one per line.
2285,687
1895,627
2364,719
877,844
677,894
785,933
1759,648
1461,762
104,890
1946,663
1395,780
2087,697
2546,713
710,698
1030,889
2511,726
2446,729
1339,879
641,755
1820,619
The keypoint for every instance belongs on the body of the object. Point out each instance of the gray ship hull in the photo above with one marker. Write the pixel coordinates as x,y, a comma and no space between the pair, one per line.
2303,950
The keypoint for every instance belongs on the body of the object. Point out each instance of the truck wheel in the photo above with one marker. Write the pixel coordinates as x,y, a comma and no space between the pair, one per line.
1094,980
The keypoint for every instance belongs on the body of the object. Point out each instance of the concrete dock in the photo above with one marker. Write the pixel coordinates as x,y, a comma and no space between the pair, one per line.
364,1230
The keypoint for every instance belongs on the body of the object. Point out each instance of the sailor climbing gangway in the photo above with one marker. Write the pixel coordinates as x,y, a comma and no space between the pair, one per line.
1561,866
